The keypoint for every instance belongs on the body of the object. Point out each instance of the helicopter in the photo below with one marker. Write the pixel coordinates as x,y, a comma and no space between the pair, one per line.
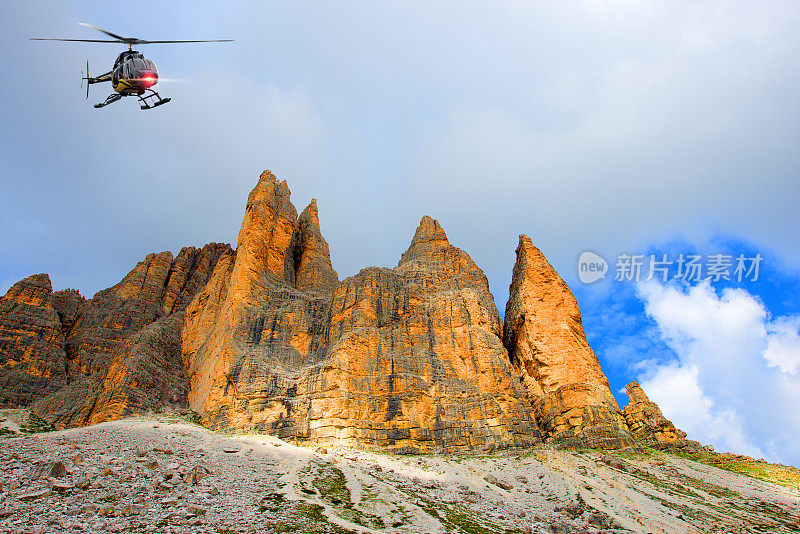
132,74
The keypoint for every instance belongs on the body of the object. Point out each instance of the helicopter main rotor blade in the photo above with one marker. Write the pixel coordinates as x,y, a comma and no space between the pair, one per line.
206,41
74,40
114,35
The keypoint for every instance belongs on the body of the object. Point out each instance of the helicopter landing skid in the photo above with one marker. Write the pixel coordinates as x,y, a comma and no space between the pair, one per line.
146,103
110,99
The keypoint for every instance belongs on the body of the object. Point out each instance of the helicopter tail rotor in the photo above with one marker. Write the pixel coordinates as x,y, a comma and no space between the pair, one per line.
86,78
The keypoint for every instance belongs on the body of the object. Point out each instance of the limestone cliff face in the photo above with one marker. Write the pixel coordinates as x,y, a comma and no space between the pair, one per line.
101,359
649,426
544,335
407,358
416,360
32,357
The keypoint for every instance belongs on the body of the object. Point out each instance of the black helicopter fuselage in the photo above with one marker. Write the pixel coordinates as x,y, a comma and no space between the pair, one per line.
133,74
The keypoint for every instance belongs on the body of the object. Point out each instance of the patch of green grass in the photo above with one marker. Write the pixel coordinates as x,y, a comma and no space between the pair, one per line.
642,454
194,418
711,489
333,486
272,501
314,513
460,520
137,527
686,511
464,522
35,425
783,475
665,484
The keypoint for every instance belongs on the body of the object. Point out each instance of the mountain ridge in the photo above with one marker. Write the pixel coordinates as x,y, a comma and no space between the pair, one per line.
266,337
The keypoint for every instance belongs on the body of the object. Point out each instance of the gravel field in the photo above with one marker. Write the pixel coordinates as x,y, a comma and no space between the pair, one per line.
164,474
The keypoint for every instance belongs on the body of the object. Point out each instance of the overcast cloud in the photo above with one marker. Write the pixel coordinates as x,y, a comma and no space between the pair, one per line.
589,124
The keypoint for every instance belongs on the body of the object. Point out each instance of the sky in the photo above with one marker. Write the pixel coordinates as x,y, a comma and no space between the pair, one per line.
618,127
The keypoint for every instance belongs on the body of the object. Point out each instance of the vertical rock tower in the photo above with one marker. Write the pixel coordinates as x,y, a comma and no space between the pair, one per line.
547,346
262,319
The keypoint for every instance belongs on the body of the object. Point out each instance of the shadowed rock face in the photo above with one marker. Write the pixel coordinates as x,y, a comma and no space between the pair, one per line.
548,348
266,337
69,304
103,351
32,357
407,358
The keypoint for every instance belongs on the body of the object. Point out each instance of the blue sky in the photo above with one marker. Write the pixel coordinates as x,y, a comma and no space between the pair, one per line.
638,127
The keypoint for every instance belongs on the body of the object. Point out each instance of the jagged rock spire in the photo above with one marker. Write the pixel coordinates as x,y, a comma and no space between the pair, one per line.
648,424
544,336
264,237
312,258
543,327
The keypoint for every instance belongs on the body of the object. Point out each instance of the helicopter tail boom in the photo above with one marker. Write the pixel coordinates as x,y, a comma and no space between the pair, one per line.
94,79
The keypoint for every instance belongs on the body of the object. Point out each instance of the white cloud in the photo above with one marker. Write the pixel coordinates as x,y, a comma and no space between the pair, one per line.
783,346
733,383
677,390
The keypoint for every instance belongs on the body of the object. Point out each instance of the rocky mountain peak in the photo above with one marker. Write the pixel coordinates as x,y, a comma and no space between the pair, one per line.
267,176
543,326
635,393
265,236
647,423
429,241
34,290
429,231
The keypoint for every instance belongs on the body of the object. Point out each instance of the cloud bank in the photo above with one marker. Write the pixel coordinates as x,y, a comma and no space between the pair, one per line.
735,380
